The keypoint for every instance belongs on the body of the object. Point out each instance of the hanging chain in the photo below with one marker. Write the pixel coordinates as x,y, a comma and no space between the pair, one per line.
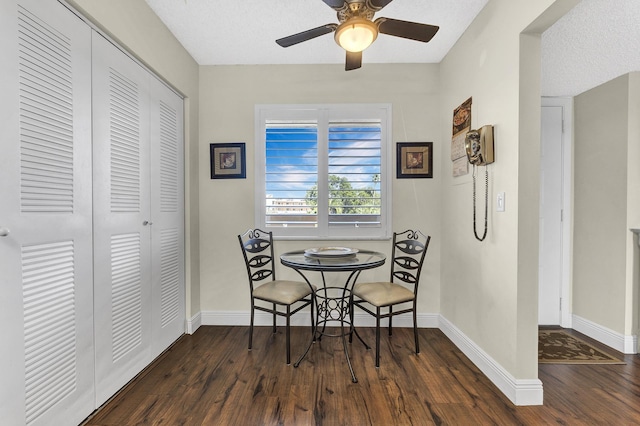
486,202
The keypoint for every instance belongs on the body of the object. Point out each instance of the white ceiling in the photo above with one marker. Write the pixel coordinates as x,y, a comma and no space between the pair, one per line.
596,41
245,32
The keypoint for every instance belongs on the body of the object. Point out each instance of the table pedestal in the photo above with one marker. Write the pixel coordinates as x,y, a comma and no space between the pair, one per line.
332,303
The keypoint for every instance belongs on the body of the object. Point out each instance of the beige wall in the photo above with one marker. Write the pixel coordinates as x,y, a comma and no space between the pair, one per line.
489,289
134,26
228,98
606,203
632,296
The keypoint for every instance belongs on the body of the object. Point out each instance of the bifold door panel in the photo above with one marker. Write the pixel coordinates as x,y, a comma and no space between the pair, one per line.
91,216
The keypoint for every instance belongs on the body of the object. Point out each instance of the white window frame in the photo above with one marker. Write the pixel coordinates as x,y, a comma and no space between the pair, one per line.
325,113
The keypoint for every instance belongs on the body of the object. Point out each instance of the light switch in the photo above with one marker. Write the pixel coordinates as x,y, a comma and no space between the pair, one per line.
500,202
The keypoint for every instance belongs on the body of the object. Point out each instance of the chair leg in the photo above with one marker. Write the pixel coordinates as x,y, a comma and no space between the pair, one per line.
274,318
415,330
378,336
351,315
390,320
288,333
251,326
313,325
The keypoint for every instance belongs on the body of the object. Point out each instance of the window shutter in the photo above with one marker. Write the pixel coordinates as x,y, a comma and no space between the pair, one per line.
322,171
354,171
291,174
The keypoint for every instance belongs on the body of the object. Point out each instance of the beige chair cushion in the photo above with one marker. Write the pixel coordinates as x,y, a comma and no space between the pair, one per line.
282,291
383,293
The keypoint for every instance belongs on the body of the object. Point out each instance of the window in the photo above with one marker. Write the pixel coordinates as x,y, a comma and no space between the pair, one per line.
323,171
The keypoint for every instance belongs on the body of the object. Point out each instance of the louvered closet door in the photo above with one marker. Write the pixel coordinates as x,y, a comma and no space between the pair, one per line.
46,300
122,229
167,213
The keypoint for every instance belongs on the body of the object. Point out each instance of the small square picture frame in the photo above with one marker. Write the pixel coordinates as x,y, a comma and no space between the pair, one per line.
414,160
228,160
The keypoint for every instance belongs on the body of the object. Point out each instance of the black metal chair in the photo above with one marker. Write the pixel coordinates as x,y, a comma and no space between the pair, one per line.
282,295
408,254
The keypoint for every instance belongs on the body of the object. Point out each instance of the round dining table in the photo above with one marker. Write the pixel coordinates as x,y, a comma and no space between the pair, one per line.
332,302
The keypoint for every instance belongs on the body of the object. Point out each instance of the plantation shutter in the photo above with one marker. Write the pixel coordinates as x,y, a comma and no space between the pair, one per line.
354,172
322,171
291,174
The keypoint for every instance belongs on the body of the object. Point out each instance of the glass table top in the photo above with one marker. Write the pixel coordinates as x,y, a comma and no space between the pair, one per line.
353,261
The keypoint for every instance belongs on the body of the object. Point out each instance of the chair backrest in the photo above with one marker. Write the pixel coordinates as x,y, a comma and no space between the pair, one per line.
257,249
408,253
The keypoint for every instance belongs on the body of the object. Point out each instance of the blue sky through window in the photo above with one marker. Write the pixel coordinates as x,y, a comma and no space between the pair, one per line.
291,161
292,158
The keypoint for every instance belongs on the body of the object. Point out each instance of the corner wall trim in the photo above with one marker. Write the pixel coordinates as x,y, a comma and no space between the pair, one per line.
194,323
519,391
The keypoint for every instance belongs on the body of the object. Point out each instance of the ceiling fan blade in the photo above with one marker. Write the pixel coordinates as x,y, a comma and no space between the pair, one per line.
354,61
306,35
379,4
406,29
334,4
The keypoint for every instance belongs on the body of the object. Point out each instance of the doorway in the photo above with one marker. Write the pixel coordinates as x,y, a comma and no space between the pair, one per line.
554,269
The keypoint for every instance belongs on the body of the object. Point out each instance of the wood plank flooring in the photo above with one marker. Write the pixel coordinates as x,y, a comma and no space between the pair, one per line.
210,378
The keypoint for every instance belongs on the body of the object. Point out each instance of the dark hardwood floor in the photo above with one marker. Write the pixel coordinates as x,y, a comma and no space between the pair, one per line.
210,378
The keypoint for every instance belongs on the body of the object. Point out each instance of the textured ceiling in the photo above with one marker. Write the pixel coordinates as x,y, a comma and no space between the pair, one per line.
595,42
598,40
244,32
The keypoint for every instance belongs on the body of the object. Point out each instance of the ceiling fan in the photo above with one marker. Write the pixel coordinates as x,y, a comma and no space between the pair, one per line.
357,29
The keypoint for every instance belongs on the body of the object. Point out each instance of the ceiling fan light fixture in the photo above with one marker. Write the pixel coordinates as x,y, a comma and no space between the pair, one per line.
356,34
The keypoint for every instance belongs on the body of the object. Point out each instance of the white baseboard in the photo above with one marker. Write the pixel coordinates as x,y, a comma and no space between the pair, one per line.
242,318
519,391
627,344
194,323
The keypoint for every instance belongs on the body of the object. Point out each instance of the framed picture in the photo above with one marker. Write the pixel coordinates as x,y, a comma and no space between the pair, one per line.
462,117
414,160
228,160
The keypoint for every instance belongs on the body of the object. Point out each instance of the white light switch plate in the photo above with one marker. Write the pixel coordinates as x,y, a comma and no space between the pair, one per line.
500,202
